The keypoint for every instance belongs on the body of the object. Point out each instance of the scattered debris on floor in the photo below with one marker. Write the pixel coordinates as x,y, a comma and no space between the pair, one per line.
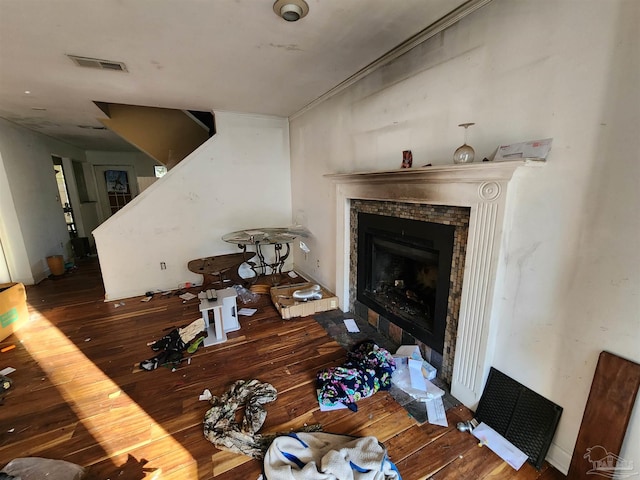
239,436
36,467
172,346
205,396
187,296
5,383
368,369
413,375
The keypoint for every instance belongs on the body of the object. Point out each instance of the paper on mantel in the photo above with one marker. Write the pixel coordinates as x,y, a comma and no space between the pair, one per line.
532,149
499,445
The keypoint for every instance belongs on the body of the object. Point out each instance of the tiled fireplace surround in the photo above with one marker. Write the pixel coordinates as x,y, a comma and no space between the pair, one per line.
456,216
441,194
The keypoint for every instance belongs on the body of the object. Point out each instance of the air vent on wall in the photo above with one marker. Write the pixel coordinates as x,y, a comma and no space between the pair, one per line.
98,63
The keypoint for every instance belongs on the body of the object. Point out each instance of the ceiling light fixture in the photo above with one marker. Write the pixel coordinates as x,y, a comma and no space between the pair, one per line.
291,10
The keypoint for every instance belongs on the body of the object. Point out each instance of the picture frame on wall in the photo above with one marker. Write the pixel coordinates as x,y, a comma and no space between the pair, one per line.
117,181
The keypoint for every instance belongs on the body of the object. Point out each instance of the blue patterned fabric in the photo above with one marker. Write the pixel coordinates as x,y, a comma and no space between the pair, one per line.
368,369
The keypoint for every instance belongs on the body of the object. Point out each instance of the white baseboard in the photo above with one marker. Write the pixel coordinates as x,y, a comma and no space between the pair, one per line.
559,458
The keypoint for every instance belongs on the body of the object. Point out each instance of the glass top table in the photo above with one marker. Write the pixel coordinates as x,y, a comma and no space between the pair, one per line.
280,238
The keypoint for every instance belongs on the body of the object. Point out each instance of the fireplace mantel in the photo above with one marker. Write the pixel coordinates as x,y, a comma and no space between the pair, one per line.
483,188
471,172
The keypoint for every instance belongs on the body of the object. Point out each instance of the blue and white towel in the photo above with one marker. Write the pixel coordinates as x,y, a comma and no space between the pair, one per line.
328,456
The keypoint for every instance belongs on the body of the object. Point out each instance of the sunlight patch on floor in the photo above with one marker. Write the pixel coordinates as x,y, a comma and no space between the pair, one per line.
113,418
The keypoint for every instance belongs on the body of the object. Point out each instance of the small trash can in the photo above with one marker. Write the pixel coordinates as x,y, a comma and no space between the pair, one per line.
56,264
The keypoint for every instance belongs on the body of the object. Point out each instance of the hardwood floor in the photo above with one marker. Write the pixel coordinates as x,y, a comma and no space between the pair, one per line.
78,394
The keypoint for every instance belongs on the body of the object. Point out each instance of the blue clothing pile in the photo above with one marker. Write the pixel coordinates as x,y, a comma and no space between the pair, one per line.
368,369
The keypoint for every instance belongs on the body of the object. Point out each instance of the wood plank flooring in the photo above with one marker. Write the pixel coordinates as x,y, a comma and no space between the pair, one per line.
78,395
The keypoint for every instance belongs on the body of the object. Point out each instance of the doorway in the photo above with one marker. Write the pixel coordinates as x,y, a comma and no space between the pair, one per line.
117,186
63,194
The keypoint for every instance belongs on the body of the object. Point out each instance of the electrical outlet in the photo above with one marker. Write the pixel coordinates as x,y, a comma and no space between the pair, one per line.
163,266
318,263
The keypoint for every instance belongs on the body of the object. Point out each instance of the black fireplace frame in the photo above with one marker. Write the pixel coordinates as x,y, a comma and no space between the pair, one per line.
412,233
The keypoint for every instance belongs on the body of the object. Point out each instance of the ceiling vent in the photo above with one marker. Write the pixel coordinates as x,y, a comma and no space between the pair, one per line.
98,63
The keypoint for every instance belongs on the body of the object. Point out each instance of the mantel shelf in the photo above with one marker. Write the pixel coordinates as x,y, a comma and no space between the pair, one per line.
501,170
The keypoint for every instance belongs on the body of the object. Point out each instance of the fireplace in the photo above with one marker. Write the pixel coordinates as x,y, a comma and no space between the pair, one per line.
420,249
481,190
403,273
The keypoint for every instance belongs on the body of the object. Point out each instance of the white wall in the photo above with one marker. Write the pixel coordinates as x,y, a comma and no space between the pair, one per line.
238,179
142,162
32,224
569,277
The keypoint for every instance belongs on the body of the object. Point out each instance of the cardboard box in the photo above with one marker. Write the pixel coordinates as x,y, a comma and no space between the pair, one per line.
13,308
288,307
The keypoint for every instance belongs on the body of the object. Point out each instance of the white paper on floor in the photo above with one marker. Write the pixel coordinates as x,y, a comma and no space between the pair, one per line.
499,445
206,395
401,378
350,323
328,408
436,413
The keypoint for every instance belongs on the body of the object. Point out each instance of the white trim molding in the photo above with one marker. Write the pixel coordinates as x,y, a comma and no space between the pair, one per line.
483,188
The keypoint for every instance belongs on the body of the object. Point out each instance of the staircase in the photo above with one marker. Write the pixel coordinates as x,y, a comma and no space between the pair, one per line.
167,135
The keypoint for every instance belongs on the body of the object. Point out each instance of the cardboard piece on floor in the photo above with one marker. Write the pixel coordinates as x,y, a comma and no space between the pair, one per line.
13,308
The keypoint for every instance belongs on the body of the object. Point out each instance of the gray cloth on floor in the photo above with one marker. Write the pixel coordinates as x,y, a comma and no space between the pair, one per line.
327,456
221,427
36,468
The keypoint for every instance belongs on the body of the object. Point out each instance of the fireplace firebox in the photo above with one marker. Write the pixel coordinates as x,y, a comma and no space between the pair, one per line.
403,274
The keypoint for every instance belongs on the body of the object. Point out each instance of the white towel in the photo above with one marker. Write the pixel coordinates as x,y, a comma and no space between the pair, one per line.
327,456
